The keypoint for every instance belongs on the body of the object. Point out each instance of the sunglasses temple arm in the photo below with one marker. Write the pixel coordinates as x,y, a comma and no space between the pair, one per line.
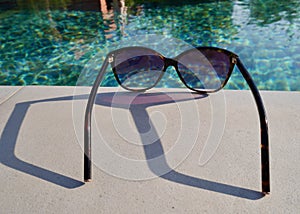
265,170
87,123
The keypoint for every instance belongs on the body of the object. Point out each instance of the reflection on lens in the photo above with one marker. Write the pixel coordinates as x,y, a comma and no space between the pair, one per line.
138,68
204,70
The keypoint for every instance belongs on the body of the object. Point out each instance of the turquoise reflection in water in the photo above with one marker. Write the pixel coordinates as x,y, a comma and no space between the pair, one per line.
51,44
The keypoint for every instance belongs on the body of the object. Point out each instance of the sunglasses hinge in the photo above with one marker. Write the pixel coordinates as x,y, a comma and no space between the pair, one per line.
234,60
111,58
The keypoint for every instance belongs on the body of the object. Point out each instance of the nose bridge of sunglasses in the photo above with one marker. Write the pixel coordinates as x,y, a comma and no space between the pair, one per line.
170,62
171,66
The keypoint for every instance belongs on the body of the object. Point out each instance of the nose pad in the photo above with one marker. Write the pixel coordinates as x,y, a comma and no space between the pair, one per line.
170,62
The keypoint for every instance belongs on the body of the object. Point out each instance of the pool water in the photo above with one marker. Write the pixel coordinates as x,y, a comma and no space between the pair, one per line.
52,42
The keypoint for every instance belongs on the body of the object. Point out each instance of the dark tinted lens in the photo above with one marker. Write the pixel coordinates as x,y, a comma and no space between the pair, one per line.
138,68
204,70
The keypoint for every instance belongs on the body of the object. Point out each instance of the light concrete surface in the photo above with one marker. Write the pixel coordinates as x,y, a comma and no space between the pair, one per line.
41,168
7,92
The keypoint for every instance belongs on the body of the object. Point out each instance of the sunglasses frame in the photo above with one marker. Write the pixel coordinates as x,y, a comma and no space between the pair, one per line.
265,169
172,62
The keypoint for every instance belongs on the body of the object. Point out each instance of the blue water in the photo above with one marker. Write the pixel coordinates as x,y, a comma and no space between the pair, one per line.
54,42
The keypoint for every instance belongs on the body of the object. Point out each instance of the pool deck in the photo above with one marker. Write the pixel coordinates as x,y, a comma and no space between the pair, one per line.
42,160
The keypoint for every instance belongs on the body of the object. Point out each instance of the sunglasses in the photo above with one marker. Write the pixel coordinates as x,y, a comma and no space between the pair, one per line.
202,69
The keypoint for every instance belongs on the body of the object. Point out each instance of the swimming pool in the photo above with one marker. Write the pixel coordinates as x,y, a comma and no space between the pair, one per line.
50,42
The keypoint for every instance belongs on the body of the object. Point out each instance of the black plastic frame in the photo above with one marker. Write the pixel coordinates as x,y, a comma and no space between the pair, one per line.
265,169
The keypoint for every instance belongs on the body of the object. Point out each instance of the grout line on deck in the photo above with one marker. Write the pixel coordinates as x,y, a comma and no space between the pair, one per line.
11,95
